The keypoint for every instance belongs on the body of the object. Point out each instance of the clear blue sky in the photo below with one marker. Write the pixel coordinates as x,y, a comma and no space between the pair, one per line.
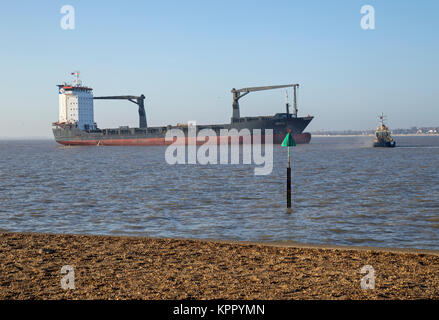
185,56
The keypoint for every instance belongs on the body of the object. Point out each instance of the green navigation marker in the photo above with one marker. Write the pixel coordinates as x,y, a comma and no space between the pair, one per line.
289,141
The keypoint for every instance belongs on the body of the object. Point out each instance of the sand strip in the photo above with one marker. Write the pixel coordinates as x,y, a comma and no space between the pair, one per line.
143,268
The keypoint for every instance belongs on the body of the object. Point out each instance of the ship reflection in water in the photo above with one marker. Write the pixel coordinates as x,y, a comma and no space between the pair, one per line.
340,195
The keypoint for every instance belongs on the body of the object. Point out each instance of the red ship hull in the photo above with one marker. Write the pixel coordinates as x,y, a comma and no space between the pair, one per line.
299,138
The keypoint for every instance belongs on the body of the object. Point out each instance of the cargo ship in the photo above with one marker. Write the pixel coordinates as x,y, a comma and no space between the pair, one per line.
382,136
76,125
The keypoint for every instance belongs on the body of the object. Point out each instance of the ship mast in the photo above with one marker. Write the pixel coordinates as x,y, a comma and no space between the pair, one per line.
76,82
382,117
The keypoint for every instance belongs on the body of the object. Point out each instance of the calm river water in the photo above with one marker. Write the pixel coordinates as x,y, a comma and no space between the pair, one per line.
344,192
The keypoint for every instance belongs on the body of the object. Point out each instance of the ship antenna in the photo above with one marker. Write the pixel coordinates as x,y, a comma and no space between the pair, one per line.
295,100
76,82
382,118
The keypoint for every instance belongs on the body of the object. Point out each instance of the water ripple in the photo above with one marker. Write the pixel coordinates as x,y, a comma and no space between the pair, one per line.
344,192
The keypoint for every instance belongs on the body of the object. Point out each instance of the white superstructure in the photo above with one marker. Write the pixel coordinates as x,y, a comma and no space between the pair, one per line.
76,105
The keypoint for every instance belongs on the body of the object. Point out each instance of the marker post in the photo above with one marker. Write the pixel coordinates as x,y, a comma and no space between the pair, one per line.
288,142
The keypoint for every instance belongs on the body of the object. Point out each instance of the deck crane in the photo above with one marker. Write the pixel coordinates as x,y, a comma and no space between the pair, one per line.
134,99
239,93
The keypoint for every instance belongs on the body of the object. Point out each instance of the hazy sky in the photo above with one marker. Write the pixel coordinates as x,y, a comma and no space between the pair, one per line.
186,56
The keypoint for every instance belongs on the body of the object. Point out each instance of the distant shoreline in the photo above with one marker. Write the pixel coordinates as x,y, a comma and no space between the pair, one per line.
312,134
372,135
25,138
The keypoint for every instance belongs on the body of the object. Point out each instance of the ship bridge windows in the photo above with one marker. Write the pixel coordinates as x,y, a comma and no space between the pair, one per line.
280,116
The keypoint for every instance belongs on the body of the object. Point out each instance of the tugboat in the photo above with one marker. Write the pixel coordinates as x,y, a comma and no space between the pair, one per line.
382,135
